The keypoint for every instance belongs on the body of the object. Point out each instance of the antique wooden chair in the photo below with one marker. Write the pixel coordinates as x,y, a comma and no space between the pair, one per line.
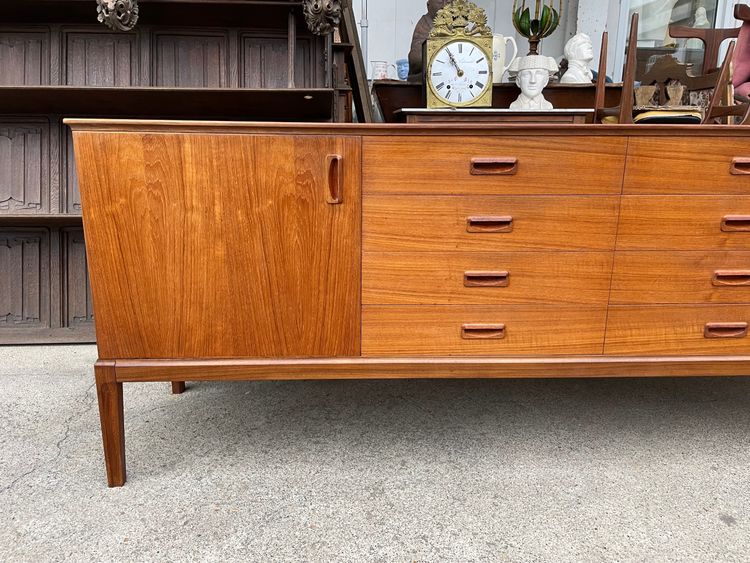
669,75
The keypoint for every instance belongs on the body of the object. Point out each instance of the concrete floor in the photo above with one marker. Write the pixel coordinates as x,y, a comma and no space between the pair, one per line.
629,470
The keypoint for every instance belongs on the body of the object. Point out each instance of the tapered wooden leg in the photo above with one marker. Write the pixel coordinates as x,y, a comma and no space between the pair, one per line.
112,417
178,387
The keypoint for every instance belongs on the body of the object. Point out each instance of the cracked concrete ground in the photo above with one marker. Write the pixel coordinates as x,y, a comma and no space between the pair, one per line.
616,470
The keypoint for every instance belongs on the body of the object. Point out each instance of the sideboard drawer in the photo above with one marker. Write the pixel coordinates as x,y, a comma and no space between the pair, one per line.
681,277
493,165
688,165
684,330
482,330
489,223
474,278
684,223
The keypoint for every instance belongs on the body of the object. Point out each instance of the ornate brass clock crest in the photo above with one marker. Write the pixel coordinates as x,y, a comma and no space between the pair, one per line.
458,72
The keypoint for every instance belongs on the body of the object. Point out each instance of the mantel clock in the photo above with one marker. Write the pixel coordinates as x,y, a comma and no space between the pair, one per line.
458,51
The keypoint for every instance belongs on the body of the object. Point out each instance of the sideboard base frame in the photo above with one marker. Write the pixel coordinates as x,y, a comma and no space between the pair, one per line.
111,374
130,371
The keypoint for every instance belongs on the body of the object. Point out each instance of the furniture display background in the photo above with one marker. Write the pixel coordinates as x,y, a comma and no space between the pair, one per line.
308,251
185,60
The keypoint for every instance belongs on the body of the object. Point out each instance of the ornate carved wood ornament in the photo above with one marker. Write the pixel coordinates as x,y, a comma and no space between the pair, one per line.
322,16
118,15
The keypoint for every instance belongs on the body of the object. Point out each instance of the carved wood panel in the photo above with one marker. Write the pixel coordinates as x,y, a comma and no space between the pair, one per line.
100,59
197,60
24,58
79,309
24,278
265,62
24,167
72,195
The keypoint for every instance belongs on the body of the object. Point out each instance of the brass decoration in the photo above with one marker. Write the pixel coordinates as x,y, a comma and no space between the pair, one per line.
459,21
461,18
322,16
118,15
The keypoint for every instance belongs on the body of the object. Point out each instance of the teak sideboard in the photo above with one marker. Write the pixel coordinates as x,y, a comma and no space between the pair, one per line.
256,251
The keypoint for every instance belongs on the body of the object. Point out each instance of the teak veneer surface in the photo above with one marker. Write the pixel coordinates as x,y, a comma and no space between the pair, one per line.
654,277
437,330
240,256
681,223
669,330
437,223
441,278
544,165
687,165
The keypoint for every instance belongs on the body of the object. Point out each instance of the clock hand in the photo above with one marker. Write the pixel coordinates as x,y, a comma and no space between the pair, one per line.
454,63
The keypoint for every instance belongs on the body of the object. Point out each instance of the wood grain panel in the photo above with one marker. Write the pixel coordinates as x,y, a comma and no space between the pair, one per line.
544,165
425,278
265,62
673,329
439,223
437,330
101,59
24,167
221,245
686,165
70,175
24,279
24,58
681,277
78,307
197,60
681,223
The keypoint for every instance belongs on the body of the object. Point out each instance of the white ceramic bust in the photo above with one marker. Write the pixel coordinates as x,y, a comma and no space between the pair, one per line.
532,74
579,51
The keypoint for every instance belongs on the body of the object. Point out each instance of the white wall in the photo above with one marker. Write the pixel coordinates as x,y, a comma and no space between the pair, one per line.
392,22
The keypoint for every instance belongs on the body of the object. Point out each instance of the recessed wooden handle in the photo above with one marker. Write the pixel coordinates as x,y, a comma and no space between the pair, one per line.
740,166
486,279
499,166
736,224
483,331
489,224
731,278
725,330
335,178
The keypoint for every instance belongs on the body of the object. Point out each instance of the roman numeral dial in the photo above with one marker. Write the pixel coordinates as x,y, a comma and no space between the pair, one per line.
459,73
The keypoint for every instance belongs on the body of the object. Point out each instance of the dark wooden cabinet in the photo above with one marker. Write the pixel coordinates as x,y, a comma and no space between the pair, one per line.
197,59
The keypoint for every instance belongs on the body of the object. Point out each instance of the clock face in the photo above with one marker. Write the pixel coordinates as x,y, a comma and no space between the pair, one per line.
460,73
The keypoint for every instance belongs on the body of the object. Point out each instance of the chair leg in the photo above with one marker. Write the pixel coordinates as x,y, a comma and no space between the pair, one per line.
109,393
178,387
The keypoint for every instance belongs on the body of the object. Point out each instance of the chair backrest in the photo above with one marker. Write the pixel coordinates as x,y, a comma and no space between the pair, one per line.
624,111
667,71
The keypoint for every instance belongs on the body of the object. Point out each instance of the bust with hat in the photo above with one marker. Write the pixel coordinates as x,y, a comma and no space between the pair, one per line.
532,74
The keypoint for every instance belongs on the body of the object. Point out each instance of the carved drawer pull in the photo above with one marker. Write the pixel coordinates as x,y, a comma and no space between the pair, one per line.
740,166
725,330
483,331
486,279
489,224
335,178
735,224
499,166
731,278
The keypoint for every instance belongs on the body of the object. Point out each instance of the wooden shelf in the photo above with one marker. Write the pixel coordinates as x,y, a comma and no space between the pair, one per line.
393,95
184,103
40,220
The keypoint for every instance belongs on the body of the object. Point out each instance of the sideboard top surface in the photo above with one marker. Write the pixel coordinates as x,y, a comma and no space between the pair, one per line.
509,129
